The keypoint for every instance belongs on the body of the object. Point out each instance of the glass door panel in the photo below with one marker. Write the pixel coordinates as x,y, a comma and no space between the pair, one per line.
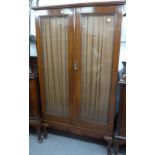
54,35
97,34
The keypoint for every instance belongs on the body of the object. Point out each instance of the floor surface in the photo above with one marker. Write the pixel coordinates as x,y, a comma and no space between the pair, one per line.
57,144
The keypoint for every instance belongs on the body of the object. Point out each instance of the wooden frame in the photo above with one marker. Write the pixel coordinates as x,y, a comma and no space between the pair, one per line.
88,4
57,13
116,11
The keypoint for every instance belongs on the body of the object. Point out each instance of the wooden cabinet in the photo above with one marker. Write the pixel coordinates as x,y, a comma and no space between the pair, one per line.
34,97
120,131
78,51
34,104
121,122
35,115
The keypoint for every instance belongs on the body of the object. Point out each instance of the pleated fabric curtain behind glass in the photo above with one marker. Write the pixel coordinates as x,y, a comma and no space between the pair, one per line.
55,57
96,65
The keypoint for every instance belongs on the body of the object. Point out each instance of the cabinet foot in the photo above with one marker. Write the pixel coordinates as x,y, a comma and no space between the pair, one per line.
40,139
45,126
40,136
116,147
118,140
110,142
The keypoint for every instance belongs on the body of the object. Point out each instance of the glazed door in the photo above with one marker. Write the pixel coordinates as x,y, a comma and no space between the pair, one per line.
55,55
97,60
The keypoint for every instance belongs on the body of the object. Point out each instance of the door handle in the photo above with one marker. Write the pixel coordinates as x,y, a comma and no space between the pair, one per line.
75,66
